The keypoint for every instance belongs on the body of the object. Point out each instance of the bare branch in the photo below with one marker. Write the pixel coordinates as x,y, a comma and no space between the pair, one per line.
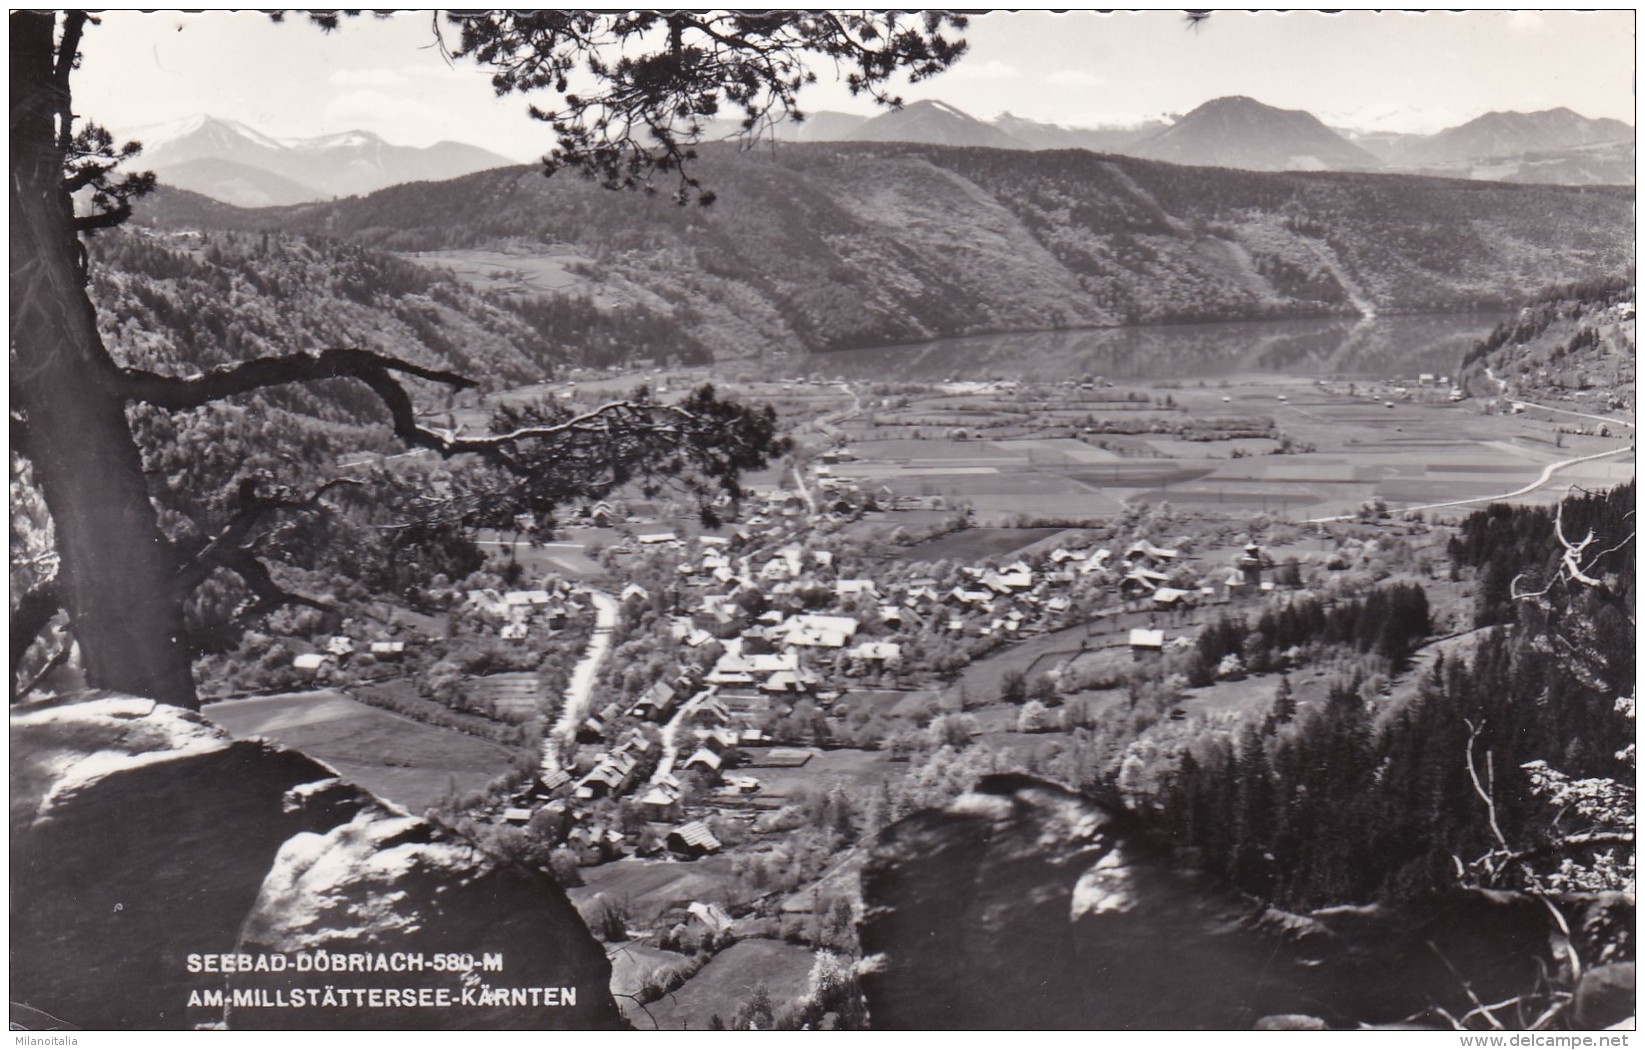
1480,1009
1479,789
176,392
57,660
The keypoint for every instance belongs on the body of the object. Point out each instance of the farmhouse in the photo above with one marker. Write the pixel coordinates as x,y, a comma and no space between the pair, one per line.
1145,552
693,840
704,760
711,916
1144,640
662,801
1140,581
340,645
526,599
1171,597
877,652
829,632
487,601
655,703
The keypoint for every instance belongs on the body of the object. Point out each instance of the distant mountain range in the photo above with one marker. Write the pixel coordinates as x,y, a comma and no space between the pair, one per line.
231,162
1555,146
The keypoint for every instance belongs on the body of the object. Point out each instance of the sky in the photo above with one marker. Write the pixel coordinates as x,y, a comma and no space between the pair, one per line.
1394,71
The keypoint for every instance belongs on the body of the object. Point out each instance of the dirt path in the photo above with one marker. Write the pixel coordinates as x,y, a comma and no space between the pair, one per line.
671,739
557,745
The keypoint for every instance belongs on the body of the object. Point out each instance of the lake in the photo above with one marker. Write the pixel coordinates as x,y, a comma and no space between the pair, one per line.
1379,348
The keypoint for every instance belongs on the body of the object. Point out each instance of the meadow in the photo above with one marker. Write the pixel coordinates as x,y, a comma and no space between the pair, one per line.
408,763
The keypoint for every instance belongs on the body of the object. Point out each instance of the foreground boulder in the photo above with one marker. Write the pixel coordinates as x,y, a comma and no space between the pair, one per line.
1022,905
443,916
147,845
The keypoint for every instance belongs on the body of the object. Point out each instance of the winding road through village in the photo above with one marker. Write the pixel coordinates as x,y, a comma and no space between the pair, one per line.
579,694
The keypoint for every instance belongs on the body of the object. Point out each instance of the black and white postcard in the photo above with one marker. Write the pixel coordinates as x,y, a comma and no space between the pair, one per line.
823,520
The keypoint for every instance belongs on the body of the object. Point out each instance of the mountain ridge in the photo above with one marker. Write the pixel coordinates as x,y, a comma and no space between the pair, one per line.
840,245
1240,132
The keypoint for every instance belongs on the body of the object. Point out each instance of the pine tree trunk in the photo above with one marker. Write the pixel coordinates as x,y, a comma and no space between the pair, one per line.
116,566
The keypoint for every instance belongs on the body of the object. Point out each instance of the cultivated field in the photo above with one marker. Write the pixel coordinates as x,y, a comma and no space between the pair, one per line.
974,546
856,770
406,762
729,979
647,888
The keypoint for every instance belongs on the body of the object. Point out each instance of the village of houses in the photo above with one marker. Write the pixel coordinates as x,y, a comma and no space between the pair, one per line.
726,684
784,615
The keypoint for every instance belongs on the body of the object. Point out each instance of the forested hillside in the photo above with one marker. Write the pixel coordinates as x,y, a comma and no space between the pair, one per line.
1573,341
177,303
1530,735
192,300
825,245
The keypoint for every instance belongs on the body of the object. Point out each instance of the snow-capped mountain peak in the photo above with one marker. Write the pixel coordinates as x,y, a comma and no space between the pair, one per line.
239,164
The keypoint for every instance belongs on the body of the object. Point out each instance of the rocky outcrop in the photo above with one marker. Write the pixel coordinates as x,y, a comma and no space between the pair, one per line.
386,885
1024,906
150,853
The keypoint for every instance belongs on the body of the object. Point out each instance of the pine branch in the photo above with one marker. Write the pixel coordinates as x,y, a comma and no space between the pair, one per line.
103,220
269,594
231,542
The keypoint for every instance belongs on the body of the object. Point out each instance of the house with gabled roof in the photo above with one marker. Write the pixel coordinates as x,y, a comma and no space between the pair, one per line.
1146,640
487,601
1096,563
656,703
829,632
801,681
1171,597
526,599
711,916
877,652
693,840
704,760
1142,581
633,590
1145,551
609,776
661,801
